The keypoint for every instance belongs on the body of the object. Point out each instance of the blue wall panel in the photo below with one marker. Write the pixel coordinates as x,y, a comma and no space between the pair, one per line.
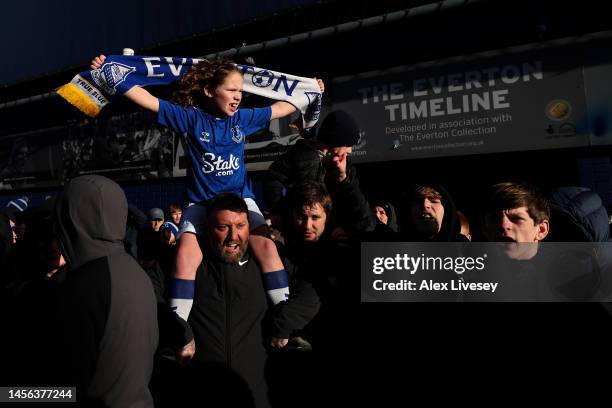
144,196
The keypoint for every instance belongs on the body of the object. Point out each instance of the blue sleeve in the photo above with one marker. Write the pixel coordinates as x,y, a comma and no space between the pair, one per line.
252,120
175,117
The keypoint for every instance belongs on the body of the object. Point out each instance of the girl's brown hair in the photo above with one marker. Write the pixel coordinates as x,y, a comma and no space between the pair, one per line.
207,74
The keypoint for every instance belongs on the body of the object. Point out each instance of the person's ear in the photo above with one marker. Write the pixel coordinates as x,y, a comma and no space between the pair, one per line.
327,217
208,92
543,229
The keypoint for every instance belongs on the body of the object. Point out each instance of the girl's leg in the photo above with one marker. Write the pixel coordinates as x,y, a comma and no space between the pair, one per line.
186,263
264,250
188,257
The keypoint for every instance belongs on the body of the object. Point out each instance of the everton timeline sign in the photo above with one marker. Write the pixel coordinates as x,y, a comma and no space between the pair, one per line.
527,101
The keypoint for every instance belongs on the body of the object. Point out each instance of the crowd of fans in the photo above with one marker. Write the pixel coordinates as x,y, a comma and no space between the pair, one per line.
72,278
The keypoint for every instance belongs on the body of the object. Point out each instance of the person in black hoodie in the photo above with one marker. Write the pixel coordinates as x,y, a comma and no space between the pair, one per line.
106,325
6,241
385,215
432,216
386,228
40,271
6,315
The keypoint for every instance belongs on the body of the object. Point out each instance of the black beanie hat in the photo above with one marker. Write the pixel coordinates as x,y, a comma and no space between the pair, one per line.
338,129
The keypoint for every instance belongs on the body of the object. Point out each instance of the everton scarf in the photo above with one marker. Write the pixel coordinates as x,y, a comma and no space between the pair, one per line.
90,91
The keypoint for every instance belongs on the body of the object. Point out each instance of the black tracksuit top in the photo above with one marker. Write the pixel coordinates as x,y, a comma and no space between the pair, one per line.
227,316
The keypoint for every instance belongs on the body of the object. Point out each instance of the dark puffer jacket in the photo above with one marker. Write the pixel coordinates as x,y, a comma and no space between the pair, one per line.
302,162
577,215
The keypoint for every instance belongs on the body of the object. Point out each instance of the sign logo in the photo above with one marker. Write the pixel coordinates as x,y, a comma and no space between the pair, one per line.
110,75
558,109
205,137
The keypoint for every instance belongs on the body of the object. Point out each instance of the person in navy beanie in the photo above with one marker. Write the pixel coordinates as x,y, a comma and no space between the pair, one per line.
12,210
15,206
311,159
338,129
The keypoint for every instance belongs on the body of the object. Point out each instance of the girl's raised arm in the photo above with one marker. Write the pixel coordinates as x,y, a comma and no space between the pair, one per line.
281,109
138,95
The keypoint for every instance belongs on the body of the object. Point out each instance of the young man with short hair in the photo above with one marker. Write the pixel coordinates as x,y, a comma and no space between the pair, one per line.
517,213
176,212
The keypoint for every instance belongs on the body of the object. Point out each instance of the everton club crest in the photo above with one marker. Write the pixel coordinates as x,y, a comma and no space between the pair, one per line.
237,135
110,75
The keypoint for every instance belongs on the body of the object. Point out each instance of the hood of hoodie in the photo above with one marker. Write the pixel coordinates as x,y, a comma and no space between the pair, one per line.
91,217
390,211
577,214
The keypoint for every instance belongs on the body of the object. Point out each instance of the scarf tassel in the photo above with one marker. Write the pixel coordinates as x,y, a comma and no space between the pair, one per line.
80,100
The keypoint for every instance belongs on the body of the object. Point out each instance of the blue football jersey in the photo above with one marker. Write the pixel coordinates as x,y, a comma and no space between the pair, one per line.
214,147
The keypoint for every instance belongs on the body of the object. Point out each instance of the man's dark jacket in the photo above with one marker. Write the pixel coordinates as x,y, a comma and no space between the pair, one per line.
227,319
302,162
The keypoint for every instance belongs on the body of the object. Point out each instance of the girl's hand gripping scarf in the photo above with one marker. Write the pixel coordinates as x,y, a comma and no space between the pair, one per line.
90,91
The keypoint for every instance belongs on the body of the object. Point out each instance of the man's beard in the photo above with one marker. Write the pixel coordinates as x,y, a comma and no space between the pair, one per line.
227,254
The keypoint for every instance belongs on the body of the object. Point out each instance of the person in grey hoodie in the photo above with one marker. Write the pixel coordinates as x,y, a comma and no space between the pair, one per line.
106,319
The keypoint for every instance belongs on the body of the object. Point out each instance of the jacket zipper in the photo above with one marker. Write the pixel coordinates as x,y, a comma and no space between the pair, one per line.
228,318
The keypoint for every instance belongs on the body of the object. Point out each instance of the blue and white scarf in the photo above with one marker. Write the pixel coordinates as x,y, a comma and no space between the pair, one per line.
90,91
